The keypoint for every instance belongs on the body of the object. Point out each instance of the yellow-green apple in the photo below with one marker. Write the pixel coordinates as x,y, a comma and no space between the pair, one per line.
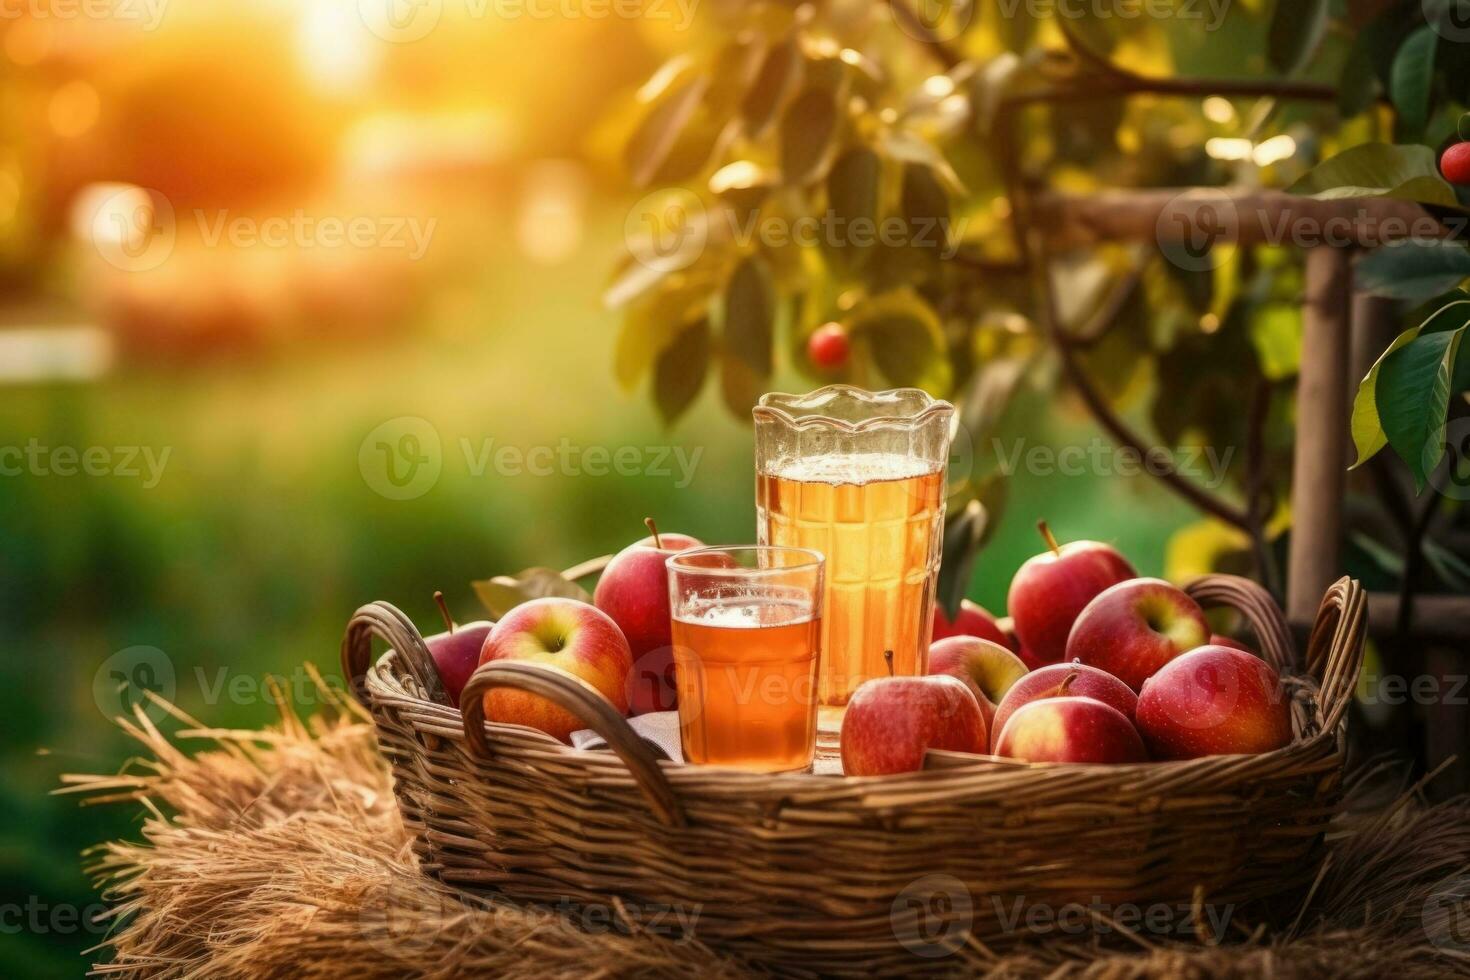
972,620
456,651
1135,627
573,636
1070,729
892,721
1063,680
987,669
634,591
1050,589
1214,700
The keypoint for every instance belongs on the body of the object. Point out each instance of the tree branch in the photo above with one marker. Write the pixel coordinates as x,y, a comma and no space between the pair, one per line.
1158,462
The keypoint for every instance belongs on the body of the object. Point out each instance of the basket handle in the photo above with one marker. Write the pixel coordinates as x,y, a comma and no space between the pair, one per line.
1335,648
589,706
389,624
1259,609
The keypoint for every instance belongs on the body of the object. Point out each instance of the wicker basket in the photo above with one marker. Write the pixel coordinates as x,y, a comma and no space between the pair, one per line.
803,873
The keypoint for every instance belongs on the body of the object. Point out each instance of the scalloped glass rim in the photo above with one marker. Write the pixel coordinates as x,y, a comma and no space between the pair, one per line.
774,405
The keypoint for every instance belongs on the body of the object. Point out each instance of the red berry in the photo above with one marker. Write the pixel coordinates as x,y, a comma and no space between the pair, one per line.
1455,164
827,347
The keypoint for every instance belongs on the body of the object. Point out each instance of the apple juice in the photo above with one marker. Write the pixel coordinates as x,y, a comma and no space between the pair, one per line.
746,672
878,518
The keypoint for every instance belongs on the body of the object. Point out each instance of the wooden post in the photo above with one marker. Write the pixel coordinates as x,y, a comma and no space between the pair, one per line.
1320,459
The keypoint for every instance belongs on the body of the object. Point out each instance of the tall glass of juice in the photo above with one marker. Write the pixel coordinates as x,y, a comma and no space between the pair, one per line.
747,623
859,476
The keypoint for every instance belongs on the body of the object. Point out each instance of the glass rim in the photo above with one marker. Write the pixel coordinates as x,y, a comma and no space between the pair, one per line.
775,405
815,559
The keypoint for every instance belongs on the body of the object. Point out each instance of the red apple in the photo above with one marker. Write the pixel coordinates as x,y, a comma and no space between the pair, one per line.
1050,590
1134,628
634,591
987,669
456,651
1070,729
972,620
1220,640
892,721
1063,680
1214,700
564,633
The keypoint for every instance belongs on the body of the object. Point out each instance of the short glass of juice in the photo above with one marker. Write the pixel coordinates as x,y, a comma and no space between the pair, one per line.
747,623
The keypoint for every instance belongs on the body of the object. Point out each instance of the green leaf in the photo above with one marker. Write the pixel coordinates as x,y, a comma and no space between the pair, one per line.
679,372
1368,436
1413,396
807,130
503,593
989,85
651,326
925,207
963,533
1297,28
779,78
1358,85
749,328
904,340
656,135
852,199
1413,269
732,74
1406,172
1276,334
1410,80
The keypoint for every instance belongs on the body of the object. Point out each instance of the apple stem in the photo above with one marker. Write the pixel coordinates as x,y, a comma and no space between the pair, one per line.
1049,538
1066,683
888,659
653,530
444,611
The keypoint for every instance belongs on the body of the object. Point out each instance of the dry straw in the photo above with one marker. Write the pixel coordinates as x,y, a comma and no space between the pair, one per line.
891,874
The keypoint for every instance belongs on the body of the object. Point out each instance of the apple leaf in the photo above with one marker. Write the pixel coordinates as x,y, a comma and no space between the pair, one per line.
1297,28
779,77
1413,269
1410,79
962,536
925,207
654,139
652,325
503,593
1367,429
747,351
679,373
852,198
1413,397
1405,172
807,130
902,337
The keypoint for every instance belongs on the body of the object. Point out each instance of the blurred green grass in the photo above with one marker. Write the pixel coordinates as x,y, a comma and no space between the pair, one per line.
263,534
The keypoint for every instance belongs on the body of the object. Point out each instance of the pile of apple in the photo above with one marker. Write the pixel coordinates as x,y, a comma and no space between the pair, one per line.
621,643
1097,666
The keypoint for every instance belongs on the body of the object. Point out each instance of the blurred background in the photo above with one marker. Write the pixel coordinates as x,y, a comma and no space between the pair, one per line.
296,305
